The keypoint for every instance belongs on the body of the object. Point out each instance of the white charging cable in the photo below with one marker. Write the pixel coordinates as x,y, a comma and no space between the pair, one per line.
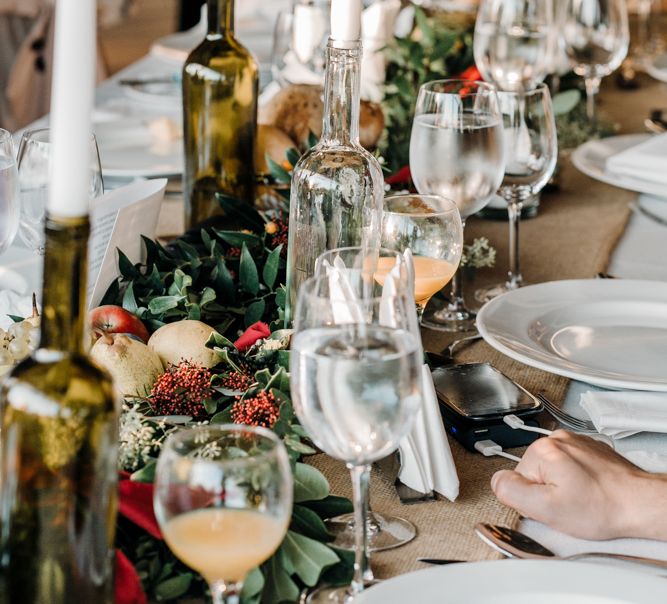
518,424
488,448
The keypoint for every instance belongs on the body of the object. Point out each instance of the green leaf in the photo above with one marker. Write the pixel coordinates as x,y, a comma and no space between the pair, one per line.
208,295
281,297
263,377
308,523
330,506
112,293
173,588
308,557
224,417
293,156
254,312
237,239
224,282
312,139
16,318
278,172
161,304
127,269
129,301
253,584
248,277
296,445
565,101
145,474
279,586
309,483
217,339
270,271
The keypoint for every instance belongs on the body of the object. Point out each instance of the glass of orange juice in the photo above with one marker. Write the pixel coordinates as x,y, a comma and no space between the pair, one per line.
430,227
223,499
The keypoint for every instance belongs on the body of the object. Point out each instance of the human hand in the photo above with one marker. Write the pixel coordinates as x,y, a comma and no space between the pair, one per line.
580,486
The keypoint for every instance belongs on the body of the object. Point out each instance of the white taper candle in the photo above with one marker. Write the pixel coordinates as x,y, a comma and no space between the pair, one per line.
345,20
72,95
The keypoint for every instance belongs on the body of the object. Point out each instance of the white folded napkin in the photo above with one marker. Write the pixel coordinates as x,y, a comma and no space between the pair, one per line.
426,459
622,414
13,303
646,161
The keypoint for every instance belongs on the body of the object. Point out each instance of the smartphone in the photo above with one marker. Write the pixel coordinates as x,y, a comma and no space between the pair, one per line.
474,397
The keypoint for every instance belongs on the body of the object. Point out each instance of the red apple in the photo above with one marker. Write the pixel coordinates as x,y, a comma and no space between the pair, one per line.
115,319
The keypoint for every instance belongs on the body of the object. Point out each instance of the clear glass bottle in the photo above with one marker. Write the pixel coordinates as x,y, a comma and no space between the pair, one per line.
58,452
337,188
220,80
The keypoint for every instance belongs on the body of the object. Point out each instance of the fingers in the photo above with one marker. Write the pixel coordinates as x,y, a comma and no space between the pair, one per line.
530,499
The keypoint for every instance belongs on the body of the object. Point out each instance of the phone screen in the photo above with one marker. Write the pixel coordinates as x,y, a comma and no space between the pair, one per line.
478,390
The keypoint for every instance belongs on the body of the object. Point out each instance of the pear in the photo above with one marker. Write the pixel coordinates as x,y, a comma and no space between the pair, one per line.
184,341
133,366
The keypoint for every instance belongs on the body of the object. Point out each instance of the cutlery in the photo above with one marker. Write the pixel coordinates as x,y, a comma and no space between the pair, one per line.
515,544
446,355
439,561
577,424
656,123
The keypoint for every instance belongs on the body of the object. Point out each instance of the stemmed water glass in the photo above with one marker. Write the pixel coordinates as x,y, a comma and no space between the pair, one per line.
514,42
223,499
531,153
456,151
430,227
9,191
34,157
373,265
356,385
596,38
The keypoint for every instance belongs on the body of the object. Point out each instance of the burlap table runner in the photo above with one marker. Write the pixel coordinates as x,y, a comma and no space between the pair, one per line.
572,237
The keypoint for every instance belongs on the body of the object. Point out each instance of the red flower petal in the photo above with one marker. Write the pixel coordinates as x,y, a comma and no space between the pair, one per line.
136,504
128,585
255,332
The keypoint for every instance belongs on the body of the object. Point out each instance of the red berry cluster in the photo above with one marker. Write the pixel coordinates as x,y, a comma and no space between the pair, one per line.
259,410
280,235
233,252
235,381
182,391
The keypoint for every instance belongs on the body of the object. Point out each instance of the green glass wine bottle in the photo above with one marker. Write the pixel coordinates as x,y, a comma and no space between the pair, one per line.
220,81
58,450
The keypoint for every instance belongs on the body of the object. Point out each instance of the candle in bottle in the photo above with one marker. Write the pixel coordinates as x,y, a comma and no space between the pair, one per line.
72,95
345,20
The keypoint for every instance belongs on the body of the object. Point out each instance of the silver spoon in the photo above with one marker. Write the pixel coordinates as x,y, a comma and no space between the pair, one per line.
515,544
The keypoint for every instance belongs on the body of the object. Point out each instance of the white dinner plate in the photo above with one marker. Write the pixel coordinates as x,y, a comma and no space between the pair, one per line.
128,149
519,582
607,332
656,67
590,158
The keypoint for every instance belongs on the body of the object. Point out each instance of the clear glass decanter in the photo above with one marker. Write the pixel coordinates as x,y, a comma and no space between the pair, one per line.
337,187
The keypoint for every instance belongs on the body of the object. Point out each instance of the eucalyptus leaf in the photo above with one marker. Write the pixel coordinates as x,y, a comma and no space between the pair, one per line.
254,312
248,277
279,586
253,584
565,101
145,474
308,523
161,304
270,270
174,587
309,483
237,239
308,557
330,506
129,301
278,172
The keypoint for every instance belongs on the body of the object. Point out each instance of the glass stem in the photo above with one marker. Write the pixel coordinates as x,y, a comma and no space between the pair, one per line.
226,593
360,481
592,88
514,278
457,303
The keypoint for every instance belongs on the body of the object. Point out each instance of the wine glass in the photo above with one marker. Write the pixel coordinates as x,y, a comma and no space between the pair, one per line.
223,500
299,43
384,531
596,37
356,386
530,152
9,191
430,227
513,42
456,151
34,157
